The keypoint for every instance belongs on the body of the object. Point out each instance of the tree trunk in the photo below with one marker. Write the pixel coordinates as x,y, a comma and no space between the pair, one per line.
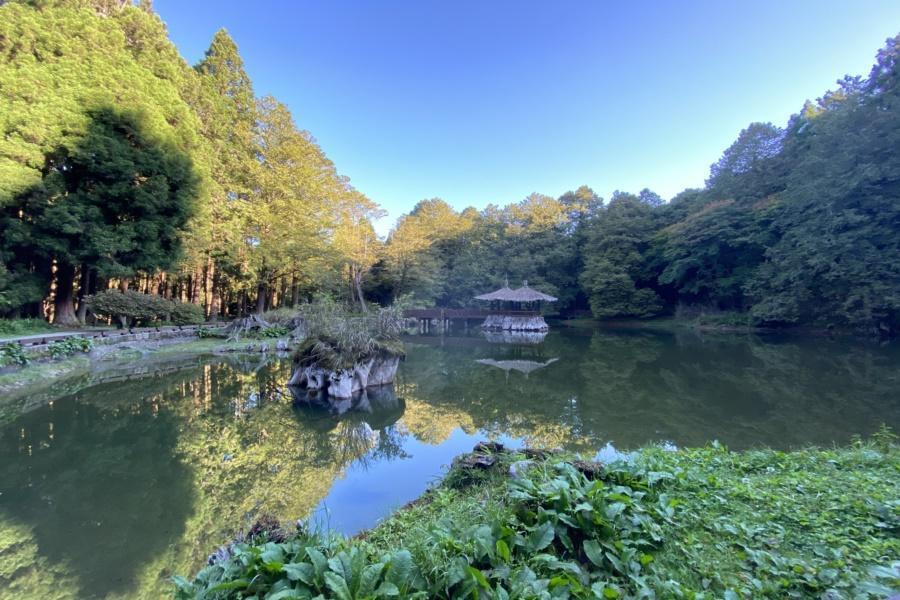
196,280
123,284
357,280
84,290
261,292
295,291
63,298
215,298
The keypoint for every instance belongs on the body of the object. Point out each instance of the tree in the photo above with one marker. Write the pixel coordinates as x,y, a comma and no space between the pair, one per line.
617,277
287,217
355,241
117,203
79,66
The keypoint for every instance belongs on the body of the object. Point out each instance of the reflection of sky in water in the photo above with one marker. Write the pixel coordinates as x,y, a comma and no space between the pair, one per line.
126,479
369,492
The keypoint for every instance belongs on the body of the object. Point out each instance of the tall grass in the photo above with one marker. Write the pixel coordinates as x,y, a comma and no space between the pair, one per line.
337,339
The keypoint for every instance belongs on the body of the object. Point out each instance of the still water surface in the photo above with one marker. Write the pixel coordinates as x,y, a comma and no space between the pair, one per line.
120,479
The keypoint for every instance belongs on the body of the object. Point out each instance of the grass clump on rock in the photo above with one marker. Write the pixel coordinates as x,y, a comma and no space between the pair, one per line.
338,341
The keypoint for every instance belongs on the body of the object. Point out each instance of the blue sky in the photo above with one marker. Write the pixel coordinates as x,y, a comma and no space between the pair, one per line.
481,102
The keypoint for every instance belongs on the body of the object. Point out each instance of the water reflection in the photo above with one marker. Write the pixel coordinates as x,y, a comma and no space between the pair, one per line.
118,480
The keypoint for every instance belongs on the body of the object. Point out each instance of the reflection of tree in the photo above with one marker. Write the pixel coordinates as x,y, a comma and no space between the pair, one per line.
26,573
85,479
639,387
171,467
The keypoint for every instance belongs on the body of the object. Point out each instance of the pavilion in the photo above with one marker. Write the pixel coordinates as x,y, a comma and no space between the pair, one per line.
515,310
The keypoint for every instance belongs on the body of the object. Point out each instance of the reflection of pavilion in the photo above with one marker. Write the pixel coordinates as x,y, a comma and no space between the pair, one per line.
522,366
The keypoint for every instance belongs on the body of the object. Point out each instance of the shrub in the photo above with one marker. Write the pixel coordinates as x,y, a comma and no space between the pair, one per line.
130,307
23,326
185,313
13,354
203,333
275,331
70,345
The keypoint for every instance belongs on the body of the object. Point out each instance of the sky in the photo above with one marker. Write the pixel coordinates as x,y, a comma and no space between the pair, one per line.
480,102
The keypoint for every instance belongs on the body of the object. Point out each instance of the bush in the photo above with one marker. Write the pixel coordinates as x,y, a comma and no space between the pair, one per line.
275,331
23,326
130,307
188,314
13,354
203,333
70,345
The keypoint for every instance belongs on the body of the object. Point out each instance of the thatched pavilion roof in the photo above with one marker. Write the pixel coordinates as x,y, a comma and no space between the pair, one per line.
522,294
501,294
522,366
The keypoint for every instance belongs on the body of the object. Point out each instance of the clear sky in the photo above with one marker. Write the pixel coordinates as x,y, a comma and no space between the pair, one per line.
486,101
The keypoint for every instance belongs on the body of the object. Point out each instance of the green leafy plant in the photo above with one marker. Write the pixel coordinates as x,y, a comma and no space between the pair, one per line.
699,524
336,340
185,313
12,327
13,353
130,307
275,331
205,332
69,346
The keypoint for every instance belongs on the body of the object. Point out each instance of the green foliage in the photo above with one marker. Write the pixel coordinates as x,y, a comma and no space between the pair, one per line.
275,331
617,277
96,164
337,340
69,346
129,306
13,353
697,524
204,333
184,313
769,524
14,327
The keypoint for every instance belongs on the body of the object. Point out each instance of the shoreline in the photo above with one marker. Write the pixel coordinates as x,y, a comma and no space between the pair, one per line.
698,523
675,324
24,387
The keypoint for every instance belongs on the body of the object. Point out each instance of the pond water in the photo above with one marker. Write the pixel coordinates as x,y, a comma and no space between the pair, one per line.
113,481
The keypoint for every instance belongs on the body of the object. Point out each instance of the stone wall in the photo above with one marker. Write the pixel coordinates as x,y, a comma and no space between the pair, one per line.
513,323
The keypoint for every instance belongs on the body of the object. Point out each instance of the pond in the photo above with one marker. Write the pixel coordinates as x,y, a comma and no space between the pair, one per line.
111,482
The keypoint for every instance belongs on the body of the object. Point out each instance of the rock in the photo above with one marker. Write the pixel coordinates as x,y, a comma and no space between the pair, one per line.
537,453
264,347
518,468
251,347
489,447
374,371
476,461
340,384
383,370
281,345
512,323
589,469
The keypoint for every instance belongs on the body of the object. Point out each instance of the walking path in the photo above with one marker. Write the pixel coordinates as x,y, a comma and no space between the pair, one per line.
105,333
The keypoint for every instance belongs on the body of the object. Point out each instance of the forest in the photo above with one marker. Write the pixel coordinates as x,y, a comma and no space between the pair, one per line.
124,167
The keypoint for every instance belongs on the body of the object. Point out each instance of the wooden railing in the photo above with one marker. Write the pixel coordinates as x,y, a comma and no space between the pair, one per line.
445,314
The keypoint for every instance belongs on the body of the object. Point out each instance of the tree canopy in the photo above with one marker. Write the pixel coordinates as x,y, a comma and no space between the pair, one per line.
123,166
